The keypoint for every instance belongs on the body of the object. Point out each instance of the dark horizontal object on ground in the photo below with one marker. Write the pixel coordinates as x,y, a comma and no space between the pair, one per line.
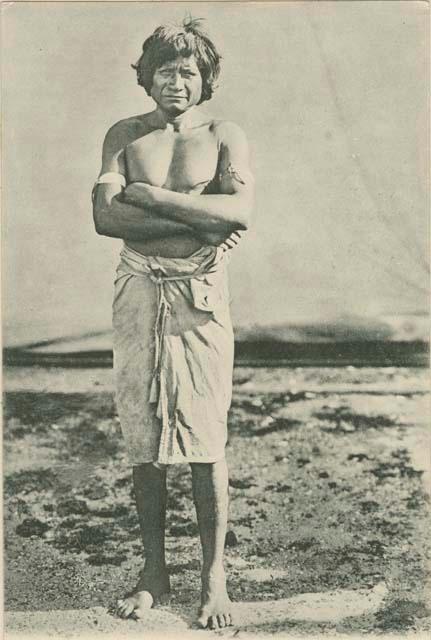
333,354
259,354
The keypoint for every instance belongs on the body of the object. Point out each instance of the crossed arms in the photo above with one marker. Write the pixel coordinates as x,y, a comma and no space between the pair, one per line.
143,212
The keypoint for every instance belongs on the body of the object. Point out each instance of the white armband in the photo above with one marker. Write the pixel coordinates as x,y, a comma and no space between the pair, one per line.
111,177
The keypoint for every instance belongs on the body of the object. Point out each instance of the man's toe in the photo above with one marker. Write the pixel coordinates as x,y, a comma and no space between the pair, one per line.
203,620
125,610
221,621
212,622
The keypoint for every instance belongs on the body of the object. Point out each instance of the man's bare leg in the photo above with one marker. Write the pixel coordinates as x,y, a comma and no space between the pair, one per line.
150,493
210,493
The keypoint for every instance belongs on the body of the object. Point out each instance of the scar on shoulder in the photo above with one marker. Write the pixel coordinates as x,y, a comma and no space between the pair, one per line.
231,172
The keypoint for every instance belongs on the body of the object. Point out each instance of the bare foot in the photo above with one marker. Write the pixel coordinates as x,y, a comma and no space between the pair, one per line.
151,589
215,611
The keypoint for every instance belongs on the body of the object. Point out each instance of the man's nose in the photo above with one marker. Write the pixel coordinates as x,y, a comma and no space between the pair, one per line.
176,81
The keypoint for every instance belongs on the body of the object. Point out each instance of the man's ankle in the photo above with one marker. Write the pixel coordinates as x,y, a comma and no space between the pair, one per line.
154,567
213,573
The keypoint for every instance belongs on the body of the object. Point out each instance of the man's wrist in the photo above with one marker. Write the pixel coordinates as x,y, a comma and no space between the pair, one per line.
155,196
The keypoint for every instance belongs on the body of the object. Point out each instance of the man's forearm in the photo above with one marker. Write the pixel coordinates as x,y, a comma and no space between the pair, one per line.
213,213
129,222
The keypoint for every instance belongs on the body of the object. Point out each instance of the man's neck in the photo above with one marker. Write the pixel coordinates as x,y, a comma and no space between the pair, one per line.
178,122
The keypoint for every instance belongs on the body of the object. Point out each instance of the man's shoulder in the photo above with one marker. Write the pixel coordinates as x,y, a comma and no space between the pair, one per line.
227,131
127,130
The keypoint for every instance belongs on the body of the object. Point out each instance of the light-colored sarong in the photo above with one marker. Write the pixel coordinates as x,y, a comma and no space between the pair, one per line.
173,355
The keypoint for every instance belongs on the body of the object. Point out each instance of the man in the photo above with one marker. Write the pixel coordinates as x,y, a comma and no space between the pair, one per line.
176,186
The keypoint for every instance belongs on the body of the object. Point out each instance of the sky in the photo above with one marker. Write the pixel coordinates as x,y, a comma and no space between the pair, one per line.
333,97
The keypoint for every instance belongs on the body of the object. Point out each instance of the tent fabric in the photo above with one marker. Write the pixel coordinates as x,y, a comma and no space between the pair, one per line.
336,112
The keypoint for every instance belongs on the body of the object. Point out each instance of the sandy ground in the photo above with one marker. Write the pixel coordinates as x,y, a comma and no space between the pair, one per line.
328,519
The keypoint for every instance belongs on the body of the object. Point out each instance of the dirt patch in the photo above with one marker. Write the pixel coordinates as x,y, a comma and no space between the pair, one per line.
326,499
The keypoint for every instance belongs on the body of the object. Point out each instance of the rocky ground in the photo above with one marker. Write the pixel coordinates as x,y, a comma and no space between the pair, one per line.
328,519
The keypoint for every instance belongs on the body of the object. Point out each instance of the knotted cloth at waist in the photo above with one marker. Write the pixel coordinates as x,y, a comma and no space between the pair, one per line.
202,272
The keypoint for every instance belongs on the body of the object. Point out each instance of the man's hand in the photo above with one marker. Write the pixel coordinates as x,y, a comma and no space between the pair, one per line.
141,194
213,238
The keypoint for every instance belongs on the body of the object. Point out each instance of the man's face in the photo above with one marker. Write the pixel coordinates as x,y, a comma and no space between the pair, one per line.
177,85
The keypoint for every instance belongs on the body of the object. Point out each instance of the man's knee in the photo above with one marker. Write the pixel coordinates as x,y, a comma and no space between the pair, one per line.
201,466
147,470
210,474
208,467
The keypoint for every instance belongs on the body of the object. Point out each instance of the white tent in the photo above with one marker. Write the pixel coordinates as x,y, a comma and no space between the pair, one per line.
334,99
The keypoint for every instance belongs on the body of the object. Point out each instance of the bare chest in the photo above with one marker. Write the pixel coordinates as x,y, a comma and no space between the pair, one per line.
177,161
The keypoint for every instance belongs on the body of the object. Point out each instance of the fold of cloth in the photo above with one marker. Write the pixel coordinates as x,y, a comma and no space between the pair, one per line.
173,355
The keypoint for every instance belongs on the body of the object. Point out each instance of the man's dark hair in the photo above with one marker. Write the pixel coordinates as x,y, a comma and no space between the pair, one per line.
171,41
